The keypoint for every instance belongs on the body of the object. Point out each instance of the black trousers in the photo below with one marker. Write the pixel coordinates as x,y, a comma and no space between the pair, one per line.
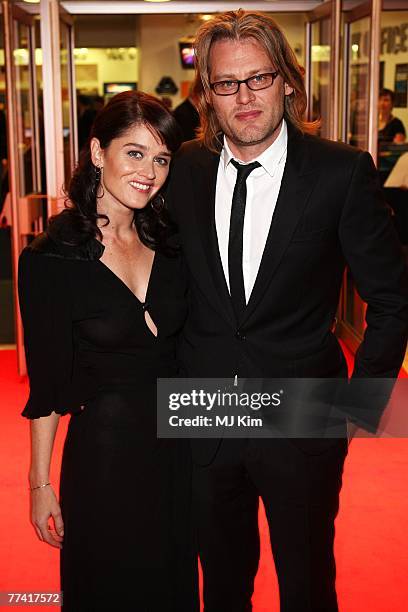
299,483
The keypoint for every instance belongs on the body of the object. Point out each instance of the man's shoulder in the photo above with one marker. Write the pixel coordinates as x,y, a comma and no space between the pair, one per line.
331,148
193,152
325,155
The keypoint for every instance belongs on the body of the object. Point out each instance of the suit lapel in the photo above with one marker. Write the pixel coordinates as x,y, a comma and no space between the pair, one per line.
297,184
204,182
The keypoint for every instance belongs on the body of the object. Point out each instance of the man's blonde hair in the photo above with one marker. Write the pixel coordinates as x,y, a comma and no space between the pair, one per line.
236,26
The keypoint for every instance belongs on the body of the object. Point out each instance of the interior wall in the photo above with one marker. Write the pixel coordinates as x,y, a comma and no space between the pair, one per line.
94,67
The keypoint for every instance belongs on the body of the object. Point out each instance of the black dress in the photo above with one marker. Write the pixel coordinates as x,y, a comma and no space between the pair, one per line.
125,495
390,130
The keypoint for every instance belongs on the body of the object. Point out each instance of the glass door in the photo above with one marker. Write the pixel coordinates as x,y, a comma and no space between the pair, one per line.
42,145
7,331
322,66
24,141
356,53
357,78
319,69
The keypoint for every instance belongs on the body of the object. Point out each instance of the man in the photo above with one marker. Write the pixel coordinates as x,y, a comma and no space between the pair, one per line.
266,246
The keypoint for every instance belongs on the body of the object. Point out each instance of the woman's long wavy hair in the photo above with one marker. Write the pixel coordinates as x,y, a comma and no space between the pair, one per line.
239,25
79,221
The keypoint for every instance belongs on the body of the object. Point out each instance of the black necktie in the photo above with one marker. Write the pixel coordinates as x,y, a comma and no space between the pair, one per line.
236,277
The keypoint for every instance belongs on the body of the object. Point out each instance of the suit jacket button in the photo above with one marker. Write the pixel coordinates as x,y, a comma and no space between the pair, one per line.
240,335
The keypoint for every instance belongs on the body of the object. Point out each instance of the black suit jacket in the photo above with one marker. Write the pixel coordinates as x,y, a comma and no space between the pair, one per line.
329,213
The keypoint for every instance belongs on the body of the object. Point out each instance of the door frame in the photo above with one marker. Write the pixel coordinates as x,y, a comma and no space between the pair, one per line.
328,10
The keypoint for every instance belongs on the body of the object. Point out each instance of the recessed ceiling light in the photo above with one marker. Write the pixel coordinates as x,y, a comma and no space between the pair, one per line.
32,1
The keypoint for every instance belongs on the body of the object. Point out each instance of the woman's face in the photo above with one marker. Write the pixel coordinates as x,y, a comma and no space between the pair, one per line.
385,104
134,167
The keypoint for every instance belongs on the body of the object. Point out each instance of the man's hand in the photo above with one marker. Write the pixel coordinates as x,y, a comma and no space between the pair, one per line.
351,430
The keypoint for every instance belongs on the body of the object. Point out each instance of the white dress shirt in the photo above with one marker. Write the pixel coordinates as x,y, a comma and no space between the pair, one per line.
263,185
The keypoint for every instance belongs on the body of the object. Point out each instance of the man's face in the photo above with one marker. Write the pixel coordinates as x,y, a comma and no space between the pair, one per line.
250,120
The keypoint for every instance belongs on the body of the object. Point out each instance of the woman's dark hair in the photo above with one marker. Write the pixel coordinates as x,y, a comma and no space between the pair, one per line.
78,222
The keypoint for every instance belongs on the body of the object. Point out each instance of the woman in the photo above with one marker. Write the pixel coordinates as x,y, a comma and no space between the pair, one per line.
390,128
391,131
102,301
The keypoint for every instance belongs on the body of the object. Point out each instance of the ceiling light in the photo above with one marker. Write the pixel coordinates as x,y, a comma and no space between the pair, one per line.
32,1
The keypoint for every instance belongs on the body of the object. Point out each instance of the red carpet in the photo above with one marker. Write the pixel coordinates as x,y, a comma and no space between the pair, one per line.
372,527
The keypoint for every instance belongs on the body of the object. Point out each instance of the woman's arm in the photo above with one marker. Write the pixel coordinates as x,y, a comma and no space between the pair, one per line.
44,502
398,131
45,304
399,138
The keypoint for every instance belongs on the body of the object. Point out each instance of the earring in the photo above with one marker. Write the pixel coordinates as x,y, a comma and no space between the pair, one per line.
97,181
157,203
98,172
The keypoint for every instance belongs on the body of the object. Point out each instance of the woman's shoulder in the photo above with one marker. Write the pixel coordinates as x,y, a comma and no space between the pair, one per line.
57,246
39,255
41,263
41,245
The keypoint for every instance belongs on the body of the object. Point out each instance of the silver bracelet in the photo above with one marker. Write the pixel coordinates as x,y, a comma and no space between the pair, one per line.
40,486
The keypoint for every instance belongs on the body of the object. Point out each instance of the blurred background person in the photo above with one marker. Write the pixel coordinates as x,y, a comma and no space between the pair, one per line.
86,117
391,135
187,117
390,128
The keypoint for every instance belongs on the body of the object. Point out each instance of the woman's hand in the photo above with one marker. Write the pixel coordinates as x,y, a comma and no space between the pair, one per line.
44,504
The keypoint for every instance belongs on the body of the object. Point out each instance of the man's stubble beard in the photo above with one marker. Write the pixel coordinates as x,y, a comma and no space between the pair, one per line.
252,135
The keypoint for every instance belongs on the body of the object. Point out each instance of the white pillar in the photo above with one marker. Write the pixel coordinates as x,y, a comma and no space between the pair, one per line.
374,77
335,68
53,135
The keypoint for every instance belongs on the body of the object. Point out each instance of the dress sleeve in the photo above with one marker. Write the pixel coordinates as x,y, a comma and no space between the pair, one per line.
399,127
45,308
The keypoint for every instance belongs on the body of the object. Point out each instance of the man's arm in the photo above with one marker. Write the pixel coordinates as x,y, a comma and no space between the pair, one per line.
373,252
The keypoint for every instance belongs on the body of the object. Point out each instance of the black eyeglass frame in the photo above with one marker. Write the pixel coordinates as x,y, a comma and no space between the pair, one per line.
239,82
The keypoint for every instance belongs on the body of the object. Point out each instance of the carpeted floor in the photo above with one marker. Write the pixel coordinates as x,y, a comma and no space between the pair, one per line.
372,527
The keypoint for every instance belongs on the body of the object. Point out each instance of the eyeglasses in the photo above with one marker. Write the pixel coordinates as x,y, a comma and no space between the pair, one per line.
255,83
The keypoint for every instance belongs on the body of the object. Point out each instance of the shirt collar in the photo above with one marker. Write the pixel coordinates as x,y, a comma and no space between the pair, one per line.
269,159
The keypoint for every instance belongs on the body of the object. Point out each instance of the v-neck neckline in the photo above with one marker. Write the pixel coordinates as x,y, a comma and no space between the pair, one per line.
126,287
